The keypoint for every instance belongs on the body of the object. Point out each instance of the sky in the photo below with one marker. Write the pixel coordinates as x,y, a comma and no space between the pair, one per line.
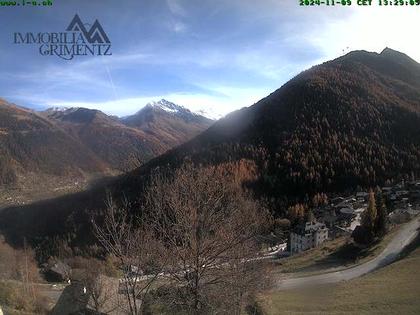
214,56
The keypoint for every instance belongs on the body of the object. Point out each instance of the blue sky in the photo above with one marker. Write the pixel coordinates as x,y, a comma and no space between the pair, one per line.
209,55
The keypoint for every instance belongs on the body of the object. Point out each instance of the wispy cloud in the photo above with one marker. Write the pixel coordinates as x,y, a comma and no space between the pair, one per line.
176,8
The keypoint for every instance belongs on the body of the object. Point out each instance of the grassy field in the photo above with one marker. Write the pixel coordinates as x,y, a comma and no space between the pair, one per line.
395,289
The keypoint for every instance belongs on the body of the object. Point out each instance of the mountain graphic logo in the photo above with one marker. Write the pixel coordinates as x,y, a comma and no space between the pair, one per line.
95,35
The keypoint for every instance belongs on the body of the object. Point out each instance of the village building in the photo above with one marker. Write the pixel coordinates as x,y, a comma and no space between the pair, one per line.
308,235
335,201
386,190
362,196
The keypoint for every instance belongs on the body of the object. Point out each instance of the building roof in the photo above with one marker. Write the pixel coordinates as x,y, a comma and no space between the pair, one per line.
309,227
347,210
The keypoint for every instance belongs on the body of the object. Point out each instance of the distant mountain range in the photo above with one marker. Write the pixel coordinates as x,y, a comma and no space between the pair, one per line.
353,121
171,123
81,141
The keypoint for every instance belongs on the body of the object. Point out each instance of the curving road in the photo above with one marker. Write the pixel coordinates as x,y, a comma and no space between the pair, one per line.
403,238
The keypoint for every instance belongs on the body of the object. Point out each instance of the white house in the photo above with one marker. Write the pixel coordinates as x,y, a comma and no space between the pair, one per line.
308,235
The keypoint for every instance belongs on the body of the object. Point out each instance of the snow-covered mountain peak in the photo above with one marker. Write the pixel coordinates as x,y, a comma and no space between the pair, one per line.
168,106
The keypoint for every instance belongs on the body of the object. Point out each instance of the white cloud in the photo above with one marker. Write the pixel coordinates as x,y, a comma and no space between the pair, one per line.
179,27
176,8
372,29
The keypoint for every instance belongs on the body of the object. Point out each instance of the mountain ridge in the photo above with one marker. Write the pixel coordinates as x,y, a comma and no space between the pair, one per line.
85,141
353,122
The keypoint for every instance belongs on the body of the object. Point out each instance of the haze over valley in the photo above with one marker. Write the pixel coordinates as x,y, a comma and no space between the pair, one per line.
224,157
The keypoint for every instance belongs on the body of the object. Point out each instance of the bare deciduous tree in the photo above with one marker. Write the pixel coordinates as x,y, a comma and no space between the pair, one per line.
208,227
136,251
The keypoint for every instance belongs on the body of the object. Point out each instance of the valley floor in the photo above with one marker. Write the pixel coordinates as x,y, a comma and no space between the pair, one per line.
393,289
36,187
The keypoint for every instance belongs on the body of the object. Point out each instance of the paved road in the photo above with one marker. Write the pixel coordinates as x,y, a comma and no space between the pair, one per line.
403,238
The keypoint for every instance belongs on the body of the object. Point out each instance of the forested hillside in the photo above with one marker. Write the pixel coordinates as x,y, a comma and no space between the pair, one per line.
122,148
353,121
30,143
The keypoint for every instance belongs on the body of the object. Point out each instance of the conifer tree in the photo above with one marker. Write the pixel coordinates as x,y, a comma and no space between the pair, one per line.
382,215
370,214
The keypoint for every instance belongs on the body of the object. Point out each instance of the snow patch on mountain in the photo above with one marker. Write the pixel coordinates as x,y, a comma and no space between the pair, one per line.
58,109
167,106
178,109
163,104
